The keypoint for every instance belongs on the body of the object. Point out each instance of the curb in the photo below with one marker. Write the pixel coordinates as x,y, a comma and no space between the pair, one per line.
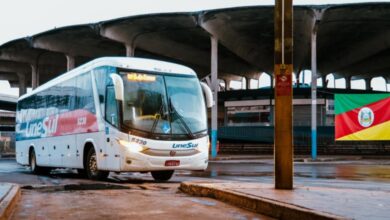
6,156
8,203
327,159
272,208
304,159
224,158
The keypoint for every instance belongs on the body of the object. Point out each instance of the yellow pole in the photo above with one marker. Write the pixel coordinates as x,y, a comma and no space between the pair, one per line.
283,68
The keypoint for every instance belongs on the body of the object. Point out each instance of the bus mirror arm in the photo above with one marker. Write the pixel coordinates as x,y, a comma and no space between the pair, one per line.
118,86
208,94
101,98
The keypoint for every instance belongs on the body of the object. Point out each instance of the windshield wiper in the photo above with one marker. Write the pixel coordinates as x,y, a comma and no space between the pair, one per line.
155,122
183,123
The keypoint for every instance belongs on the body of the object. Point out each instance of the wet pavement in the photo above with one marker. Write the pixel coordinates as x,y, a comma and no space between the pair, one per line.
139,201
354,174
66,187
303,202
366,171
4,188
65,195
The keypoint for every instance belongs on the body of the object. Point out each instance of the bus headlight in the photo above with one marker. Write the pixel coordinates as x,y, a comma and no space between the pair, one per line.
132,146
204,147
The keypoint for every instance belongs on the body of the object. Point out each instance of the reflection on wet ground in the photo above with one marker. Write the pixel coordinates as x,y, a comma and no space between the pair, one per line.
366,175
364,172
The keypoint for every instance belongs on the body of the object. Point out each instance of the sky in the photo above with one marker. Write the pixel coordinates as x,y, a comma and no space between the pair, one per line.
21,18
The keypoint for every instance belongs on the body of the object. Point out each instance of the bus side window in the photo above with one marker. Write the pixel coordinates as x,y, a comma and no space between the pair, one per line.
111,107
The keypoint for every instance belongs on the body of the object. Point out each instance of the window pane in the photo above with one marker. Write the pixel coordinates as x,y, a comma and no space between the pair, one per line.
69,93
111,107
103,79
145,105
84,99
185,95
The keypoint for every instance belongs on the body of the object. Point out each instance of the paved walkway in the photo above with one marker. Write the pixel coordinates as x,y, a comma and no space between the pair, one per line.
9,195
300,203
4,188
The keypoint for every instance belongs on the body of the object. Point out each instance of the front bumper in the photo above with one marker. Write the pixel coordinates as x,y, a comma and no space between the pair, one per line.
139,162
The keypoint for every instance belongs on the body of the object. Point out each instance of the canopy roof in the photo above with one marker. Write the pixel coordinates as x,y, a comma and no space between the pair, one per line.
353,41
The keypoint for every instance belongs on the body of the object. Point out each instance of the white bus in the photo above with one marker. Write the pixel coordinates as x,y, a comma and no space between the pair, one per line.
116,114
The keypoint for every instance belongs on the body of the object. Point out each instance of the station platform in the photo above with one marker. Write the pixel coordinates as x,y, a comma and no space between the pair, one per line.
302,202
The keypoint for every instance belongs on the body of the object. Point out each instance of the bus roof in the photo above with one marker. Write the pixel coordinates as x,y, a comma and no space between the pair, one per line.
120,62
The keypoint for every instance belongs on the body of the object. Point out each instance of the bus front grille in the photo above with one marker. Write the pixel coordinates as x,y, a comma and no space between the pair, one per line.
170,153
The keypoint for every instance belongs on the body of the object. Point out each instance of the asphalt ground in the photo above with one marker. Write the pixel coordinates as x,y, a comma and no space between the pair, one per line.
52,192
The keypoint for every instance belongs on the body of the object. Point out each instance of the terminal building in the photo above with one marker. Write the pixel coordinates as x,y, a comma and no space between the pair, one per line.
245,122
7,124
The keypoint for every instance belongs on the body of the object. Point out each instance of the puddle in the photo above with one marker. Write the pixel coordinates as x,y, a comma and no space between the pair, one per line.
203,202
215,173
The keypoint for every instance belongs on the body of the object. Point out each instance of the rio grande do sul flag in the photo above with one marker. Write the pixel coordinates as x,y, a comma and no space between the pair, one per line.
362,117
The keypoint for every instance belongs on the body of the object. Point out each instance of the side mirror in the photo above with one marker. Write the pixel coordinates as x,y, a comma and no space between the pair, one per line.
118,86
208,94
101,98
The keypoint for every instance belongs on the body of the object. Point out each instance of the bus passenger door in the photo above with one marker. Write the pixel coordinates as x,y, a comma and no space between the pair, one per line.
112,130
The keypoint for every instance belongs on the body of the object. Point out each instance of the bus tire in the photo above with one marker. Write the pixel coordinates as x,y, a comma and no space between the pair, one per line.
91,167
82,172
163,175
34,168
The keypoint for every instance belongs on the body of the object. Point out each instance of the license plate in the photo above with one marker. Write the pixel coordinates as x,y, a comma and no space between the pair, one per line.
172,163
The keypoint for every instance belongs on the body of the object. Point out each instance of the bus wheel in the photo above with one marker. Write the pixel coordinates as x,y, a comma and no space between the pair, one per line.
34,168
92,169
162,175
81,172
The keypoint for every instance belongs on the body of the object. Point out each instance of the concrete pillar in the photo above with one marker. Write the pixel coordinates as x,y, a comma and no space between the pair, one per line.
248,83
22,84
314,92
348,82
130,49
34,77
324,83
227,84
38,75
70,62
214,88
368,84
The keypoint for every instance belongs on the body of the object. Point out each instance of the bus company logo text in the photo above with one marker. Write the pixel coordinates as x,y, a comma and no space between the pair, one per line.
189,145
40,128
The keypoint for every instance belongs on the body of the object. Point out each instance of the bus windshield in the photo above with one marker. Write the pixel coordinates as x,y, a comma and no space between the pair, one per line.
168,105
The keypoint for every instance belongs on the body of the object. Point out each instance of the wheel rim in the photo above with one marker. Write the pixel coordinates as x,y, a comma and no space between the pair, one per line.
93,165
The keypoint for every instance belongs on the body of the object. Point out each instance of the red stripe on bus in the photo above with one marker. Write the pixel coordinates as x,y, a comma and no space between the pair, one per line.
73,122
